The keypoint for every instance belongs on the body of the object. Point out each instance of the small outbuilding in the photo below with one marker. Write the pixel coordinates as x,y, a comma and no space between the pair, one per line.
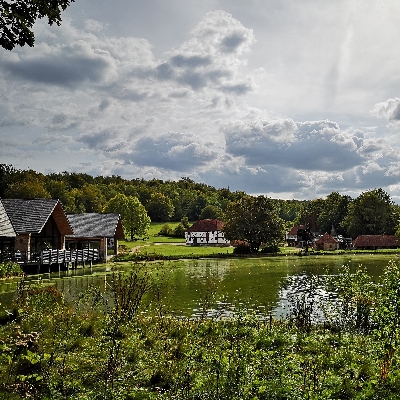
373,242
206,232
95,231
326,242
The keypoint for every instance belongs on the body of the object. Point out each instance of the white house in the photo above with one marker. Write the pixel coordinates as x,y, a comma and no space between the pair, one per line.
206,232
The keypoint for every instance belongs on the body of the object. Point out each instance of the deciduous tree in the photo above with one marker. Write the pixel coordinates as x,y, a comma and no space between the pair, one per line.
160,208
371,213
134,216
18,16
253,220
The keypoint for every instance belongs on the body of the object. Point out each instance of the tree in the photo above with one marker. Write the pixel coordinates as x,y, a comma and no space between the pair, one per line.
8,175
89,198
211,212
334,210
309,213
371,213
253,220
18,16
160,208
133,214
27,190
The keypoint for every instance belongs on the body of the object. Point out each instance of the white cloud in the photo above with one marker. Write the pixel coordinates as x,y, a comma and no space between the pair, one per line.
284,114
317,145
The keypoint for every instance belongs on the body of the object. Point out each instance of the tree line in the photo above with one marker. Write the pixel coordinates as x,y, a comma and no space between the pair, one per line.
372,212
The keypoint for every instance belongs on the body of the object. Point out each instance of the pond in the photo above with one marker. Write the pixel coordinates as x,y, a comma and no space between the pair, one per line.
212,286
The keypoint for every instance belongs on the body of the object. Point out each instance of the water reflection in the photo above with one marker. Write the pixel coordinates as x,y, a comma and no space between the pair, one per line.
215,288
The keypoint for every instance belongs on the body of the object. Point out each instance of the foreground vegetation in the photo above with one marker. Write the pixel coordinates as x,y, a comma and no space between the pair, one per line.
123,344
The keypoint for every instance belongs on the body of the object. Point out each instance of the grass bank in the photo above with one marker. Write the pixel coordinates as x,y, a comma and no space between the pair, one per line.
127,346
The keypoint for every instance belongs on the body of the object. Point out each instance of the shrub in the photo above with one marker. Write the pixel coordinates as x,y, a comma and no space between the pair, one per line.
165,230
271,249
179,231
8,269
242,249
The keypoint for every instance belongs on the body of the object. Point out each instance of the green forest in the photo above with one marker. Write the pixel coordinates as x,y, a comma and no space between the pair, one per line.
373,212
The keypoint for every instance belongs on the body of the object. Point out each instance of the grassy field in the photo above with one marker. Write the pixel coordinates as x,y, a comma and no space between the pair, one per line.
173,247
153,237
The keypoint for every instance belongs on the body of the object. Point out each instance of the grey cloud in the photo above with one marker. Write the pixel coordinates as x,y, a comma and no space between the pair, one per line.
210,58
389,109
174,151
308,146
230,43
239,89
64,68
104,140
395,113
271,179
181,60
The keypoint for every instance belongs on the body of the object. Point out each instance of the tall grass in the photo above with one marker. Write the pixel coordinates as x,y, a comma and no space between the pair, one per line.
123,344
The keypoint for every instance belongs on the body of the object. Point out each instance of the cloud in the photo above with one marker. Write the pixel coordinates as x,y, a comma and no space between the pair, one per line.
211,58
317,145
174,151
389,109
68,65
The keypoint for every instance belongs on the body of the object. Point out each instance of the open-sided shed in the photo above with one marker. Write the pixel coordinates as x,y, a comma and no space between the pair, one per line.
95,231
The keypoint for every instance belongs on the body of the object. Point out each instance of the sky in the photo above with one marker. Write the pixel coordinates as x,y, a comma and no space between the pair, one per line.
290,99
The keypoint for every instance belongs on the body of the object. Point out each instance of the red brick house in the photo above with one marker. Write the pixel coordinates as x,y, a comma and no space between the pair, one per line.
206,232
326,242
373,242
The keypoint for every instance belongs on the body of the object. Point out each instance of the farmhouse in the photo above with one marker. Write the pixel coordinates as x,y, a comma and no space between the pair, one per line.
373,242
95,231
326,242
206,232
28,227
291,236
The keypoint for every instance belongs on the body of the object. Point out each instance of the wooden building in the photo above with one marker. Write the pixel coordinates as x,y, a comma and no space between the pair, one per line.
27,227
95,231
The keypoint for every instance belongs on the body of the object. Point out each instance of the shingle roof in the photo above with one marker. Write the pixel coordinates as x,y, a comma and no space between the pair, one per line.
206,225
30,216
376,241
96,225
6,228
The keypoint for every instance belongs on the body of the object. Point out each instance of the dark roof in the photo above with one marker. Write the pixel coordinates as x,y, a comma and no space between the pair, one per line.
94,225
6,228
206,225
375,241
294,230
326,238
30,216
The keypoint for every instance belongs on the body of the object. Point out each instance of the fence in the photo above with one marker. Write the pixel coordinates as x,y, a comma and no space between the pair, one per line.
48,257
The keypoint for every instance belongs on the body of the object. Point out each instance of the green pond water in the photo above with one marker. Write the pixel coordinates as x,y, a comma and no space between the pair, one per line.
214,286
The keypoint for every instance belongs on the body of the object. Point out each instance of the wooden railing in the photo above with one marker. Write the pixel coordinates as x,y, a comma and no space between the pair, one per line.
67,256
48,257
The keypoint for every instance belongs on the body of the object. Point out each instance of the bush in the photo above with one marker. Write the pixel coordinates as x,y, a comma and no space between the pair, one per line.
165,230
8,269
271,249
242,249
179,231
